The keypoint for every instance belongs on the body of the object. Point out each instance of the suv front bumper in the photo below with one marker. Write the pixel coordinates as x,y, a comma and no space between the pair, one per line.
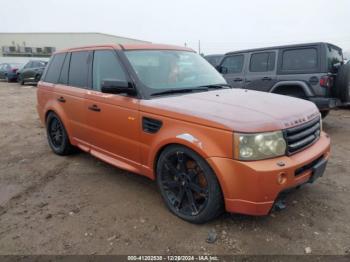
252,187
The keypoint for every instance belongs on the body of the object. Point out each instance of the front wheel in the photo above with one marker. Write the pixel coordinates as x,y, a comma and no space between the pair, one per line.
57,135
188,185
37,78
20,80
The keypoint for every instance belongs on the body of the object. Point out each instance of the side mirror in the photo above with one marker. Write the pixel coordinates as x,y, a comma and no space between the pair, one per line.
223,70
218,68
115,86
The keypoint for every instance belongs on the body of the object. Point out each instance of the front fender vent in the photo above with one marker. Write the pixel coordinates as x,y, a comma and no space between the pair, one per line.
150,125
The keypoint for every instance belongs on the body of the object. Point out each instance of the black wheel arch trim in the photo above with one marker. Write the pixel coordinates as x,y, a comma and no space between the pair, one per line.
304,86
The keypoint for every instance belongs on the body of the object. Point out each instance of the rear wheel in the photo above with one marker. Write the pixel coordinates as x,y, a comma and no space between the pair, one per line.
188,185
57,135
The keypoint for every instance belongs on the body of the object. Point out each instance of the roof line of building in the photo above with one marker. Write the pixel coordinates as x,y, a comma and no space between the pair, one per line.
56,33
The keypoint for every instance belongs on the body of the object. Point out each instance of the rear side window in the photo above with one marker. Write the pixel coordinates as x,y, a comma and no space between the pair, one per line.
79,69
262,62
65,70
232,64
334,56
54,69
299,59
106,66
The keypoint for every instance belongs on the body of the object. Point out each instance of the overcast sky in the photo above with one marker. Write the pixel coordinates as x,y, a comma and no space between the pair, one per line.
220,25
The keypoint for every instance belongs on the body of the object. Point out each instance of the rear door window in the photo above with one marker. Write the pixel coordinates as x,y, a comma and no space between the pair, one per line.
79,69
299,59
106,66
334,56
232,64
54,69
262,62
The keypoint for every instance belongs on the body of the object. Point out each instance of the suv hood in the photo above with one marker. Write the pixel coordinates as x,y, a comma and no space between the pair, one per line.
234,109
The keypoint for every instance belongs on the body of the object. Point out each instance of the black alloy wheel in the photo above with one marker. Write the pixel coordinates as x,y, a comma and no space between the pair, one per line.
57,135
188,185
56,132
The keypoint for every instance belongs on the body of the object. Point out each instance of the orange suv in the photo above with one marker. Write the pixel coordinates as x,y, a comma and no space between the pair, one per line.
165,113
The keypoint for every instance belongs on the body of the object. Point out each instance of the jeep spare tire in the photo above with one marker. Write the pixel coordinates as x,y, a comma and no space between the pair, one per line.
342,83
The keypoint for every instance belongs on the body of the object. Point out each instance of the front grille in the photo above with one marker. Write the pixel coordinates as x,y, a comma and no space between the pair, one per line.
302,136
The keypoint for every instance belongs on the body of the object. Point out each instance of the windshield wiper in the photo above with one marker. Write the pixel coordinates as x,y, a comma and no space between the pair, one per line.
217,86
183,90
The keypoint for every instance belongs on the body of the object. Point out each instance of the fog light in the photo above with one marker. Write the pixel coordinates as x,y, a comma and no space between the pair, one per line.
281,178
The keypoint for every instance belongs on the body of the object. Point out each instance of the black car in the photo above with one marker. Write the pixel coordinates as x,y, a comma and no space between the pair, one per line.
314,71
31,72
9,71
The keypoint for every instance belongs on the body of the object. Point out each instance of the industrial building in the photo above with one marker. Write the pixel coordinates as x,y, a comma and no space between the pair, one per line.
44,44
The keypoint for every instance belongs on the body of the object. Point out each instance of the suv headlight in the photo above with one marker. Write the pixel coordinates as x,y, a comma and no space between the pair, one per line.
259,146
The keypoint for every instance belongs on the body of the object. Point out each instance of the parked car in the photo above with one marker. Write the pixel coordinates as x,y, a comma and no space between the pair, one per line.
214,60
314,72
31,71
8,71
165,113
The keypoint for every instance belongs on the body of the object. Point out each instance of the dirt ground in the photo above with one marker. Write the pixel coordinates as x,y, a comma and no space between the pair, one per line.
80,205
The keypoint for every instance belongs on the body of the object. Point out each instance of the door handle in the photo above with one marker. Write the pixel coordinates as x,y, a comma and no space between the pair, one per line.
61,99
94,108
238,79
267,78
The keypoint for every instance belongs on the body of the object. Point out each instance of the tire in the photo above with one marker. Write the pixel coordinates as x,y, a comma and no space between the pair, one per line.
57,135
188,185
37,78
342,83
20,80
324,113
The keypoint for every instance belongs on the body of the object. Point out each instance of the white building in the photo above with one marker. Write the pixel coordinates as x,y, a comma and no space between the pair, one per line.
43,44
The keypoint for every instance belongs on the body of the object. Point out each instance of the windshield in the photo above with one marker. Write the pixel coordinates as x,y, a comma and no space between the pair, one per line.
161,70
16,65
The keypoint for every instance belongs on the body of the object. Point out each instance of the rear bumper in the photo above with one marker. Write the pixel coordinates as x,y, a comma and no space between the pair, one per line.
326,103
252,187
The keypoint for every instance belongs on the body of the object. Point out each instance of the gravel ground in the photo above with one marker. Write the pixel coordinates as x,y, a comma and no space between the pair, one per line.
80,205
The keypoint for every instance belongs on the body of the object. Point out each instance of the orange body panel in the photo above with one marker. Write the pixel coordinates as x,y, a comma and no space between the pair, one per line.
252,187
115,134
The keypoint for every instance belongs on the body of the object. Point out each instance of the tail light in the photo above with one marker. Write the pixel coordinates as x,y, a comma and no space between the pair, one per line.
326,81
14,70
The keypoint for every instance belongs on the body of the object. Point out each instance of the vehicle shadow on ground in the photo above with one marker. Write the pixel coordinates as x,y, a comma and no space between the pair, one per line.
132,180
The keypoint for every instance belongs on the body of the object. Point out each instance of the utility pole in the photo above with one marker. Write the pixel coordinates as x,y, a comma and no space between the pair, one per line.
199,46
